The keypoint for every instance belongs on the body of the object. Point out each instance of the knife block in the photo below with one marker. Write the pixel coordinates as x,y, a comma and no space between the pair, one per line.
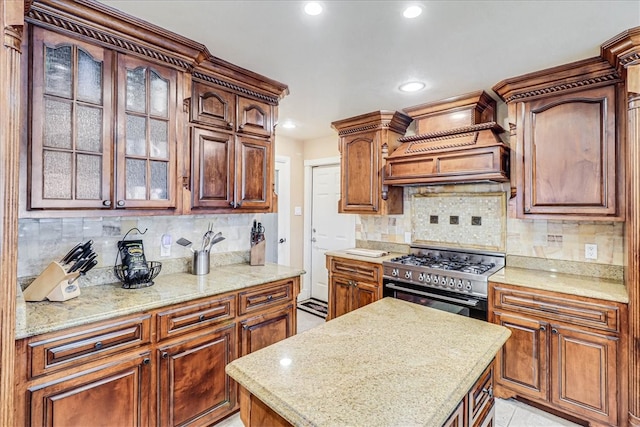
53,284
257,253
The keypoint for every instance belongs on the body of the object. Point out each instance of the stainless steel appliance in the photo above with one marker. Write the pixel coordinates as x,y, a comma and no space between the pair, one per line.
453,280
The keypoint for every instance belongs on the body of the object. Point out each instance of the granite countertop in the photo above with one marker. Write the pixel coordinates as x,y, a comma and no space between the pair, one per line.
389,363
107,301
587,286
375,260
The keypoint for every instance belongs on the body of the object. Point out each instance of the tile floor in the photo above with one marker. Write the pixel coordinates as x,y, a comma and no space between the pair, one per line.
509,413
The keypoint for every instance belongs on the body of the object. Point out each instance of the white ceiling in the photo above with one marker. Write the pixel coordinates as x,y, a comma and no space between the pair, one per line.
351,59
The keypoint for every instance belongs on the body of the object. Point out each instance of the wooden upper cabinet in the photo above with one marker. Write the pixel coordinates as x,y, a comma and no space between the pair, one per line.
213,106
146,139
71,111
254,117
567,163
254,173
232,157
78,159
365,141
213,158
570,154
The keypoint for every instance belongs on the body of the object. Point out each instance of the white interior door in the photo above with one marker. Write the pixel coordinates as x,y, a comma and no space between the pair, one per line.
283,190
329,229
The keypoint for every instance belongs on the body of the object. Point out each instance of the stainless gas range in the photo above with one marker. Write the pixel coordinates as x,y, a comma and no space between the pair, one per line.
449,279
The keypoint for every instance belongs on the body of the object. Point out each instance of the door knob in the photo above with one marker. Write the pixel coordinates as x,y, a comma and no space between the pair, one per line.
282,240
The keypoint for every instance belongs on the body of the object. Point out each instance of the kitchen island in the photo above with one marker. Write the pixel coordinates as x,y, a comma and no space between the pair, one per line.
389,363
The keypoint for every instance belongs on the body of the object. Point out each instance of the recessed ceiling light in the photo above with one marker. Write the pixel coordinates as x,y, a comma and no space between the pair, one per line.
289,125
412,86
412,11
313,8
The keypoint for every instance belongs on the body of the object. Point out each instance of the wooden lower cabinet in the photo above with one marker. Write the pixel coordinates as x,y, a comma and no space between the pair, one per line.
554,359
352,284
113,394
170,370
260,331
193,388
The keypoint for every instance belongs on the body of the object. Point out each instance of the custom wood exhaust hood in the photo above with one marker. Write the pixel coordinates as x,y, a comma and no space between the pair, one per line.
457,141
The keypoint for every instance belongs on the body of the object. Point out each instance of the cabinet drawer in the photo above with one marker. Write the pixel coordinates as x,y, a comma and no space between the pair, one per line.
481,396
191,317
253,300
72,348
562,308
356,270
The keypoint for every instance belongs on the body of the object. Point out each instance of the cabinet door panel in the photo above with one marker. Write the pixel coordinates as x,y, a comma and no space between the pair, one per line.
254,117
360,159
584,368
213,168
71,109
192,385
213,106
340,296
263,330
522,363
117,394
254,173
364,293
570,154
146,141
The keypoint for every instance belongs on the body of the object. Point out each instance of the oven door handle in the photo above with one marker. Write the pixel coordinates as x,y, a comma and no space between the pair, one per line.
470,303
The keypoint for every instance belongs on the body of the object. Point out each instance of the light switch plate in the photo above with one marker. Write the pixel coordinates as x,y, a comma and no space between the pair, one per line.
297,210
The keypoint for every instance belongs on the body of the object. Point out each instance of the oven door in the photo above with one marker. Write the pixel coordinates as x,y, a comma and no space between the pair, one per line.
465,305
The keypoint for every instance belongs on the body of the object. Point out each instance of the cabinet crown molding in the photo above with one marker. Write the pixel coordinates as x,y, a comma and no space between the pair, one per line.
394,120
116,30
592,72
623,49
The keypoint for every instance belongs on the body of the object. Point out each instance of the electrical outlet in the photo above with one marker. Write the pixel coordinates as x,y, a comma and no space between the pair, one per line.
407,237
590,251
165,245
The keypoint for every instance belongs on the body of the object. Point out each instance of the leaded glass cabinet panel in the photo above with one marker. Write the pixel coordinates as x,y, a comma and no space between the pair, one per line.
71,138
146,139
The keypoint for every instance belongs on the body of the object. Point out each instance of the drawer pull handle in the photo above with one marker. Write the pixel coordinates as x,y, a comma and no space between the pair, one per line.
201,318
270,297
488,391
98,345
146,361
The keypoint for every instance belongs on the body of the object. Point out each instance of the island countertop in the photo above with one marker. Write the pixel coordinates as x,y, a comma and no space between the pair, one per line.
389,363
103,302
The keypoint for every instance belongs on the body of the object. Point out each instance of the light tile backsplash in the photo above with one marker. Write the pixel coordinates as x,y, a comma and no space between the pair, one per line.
41,241
465,220
542,239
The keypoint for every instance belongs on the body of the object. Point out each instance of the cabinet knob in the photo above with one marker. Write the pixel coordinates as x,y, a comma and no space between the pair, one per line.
106,203
98,345
230,125
543,328
270,297
165,355
201,318
120,203
282,240
146,361
554,331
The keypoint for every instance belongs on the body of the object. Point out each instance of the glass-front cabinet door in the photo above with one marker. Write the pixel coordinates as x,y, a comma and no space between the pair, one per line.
146,141
71,138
